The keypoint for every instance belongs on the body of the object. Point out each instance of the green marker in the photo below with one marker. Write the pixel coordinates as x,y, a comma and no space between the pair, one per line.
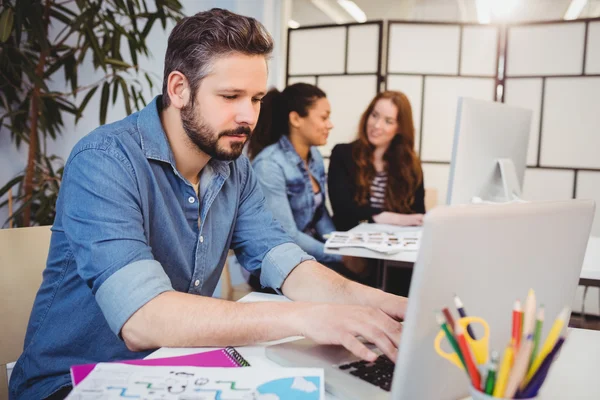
490,381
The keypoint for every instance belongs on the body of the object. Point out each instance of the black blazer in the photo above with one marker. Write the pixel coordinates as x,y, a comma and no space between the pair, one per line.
341,183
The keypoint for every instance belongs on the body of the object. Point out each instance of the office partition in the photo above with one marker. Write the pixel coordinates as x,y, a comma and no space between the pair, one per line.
345,62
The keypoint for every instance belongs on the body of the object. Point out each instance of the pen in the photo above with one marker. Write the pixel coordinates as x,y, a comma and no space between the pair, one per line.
463,314
491,377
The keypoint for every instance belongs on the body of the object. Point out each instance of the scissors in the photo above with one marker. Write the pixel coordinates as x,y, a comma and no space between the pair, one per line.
479,347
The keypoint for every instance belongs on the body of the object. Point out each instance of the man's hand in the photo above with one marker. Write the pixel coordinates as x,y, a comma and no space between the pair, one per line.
394,306
342,324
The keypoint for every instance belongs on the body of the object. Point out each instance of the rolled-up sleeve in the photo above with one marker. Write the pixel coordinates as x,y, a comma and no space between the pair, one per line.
103,223
259,241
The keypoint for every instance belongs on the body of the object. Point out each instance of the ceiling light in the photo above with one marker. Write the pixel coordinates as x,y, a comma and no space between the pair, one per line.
354,10
575,9
293,24
336,15
484,11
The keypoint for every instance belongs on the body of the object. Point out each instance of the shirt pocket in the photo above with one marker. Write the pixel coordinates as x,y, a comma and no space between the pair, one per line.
297,197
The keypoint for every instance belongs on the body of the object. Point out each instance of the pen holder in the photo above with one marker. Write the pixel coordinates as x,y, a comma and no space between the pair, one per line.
479,395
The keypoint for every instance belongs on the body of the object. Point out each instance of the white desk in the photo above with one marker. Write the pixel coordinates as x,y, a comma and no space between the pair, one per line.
590,273
574,376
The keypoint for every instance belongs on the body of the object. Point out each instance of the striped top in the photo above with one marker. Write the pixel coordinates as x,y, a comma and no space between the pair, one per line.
378,187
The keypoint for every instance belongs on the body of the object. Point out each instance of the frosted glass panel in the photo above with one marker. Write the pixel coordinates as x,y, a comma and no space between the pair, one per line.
588,187
436,176
317,51
548,184
479,51
412,87
349,97
548,49
527,93
592,60
571,123
302,79
363,46
422,48
439,118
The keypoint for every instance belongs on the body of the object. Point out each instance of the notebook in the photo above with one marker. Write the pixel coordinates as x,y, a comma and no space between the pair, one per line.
120,381
225,358
383,242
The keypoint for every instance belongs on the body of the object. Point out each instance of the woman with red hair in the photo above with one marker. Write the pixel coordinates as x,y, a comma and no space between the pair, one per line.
378,177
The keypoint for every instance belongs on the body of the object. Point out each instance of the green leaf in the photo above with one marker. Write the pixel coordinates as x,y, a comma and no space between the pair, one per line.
6,24
133,51
104,102
10,184
85,101
117,63
126,96
115,91
150,83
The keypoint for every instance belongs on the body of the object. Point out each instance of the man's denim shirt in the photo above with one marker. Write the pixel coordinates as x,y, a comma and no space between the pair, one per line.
286,183
128,227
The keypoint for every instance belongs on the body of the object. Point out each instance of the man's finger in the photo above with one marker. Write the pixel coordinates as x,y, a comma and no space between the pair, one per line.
357,348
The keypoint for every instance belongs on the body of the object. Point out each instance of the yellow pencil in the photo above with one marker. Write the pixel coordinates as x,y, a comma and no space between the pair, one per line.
557,327
504,371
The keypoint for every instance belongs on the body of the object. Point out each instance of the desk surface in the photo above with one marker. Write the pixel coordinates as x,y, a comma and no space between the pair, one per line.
590,270
574,376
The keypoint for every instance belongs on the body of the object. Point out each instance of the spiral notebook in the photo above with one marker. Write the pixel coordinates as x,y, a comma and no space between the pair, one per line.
224,358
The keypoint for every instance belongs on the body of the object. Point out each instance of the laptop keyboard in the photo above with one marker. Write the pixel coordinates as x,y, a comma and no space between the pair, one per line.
378,373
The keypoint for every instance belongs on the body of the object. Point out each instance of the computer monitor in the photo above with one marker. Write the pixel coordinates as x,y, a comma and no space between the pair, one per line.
489,153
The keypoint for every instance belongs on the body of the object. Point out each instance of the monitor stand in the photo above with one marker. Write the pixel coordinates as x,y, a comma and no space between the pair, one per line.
505,187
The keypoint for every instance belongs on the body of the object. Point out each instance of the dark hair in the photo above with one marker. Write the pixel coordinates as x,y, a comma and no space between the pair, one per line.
402,163
197,41
273,121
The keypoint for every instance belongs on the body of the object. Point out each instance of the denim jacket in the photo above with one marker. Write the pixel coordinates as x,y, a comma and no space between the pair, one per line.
128,227
288,189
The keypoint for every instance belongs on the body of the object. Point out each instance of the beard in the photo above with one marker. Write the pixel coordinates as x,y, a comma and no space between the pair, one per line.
207,139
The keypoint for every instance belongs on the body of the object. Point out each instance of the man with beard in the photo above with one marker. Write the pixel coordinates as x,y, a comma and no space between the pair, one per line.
149,207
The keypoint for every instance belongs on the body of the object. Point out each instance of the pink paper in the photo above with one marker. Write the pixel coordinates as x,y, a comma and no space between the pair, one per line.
214,358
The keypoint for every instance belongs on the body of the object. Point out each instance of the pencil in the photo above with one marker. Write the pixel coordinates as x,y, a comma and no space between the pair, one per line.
529,314
468,357
451,339
519,369
516,327
461,311
540,376
549,343
505,366
449,318
537,334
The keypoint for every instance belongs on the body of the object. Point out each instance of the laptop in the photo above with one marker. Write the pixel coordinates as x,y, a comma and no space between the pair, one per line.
489,255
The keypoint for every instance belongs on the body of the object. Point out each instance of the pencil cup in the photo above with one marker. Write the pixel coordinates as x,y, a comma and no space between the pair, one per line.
479,395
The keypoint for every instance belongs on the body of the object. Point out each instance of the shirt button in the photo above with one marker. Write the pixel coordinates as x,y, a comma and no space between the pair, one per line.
201,239
197,283
191,199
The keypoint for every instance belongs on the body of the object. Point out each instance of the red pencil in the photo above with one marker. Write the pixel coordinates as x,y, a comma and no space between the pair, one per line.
516,325
466,352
